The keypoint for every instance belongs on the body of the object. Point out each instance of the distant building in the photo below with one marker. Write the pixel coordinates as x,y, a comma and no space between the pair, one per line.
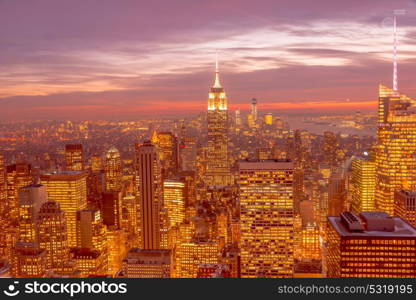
74,157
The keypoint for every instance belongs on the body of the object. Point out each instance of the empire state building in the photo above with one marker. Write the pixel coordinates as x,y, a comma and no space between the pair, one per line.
217,168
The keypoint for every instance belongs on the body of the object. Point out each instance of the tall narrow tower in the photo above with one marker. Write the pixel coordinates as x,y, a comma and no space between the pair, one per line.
254,109
217,168
396,145
150,186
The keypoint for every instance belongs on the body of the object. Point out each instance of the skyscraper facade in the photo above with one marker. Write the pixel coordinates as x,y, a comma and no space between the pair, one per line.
74,157
363,183
266,218
396,147
113,170
69,189
217,162
150,186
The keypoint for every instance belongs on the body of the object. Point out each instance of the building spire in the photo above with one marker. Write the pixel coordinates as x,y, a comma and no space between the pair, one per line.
396,12
395,84
217,83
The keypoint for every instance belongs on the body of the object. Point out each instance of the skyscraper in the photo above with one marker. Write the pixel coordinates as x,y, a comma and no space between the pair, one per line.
18,176
363,184
150,186
254,109
69,189
405,206
31,198
113,170
372,245
167,149
396,147
3,194
53,237
74,157
266,218
174,200
217,164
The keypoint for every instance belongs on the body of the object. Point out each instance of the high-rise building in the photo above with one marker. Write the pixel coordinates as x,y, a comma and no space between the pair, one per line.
141,263
167,149
74,157
111,208
18,176
91,232
336,194
363,183
189,255
330,148
174,200
96,163
3,193
31,198
266,218
254,109
53,237
405,205
396,147
150,187
113,171
372,245
69,189
188,153
217,162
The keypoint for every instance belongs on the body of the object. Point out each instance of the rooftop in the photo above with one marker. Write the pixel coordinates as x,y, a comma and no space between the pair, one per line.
373,224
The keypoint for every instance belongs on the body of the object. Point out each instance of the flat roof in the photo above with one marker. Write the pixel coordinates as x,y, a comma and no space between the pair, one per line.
267,165
402,229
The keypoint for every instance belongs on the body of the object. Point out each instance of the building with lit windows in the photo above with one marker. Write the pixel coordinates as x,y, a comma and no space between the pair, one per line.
3,194
405,206
74,157
371,245
396,147
17,176
28,262
150,191
174,201
167,149
189,255
140,263
53,237
89,262
31,198
363,182
217,161
69,189
113,170
266,218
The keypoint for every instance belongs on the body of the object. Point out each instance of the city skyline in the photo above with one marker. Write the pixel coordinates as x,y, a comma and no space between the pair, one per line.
217,191
93,64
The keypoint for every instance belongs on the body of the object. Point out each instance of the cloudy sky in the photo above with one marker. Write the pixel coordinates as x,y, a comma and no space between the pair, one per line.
98,59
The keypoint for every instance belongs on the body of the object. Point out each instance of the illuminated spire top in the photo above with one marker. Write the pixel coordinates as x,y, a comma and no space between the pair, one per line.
217,83
395,85
395,76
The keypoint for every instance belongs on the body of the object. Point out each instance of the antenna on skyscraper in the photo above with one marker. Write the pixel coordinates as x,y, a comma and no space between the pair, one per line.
396,12
217,83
